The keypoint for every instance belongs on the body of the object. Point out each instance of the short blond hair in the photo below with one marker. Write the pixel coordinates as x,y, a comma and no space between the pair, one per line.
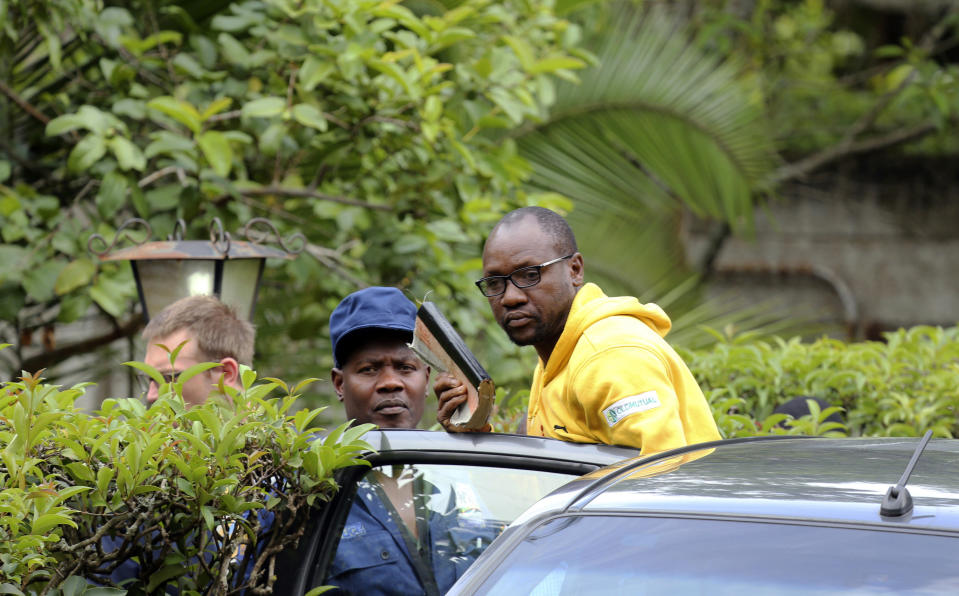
218,331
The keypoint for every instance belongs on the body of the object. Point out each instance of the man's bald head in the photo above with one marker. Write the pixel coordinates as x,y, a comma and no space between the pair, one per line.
551,223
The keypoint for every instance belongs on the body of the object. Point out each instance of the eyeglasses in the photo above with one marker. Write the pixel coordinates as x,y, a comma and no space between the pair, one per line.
144,381
524,277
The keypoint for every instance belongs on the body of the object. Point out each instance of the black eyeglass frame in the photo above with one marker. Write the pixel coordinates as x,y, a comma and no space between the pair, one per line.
143,381
509,278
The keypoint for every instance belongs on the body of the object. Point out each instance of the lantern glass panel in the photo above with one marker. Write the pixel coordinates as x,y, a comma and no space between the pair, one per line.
163,282
241,277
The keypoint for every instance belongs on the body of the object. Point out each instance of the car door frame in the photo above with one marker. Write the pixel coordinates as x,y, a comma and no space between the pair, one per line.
298,569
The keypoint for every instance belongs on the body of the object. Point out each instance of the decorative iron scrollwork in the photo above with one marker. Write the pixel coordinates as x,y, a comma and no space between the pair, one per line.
292,245
219,238
121,234
179,229
257,231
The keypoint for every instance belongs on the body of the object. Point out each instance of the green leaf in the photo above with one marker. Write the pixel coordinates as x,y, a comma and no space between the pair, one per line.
128,155
104,476
188,65
314,71
88,117
39,282
181,111
112,194
216,106
513,107
556,63
194,370
75,275
522,49
396,73
118,74
47,522
164,575
131,108
74,586
233,50
168,143
264,107
432,108
451,36
410,244
216,148
81,471
308,115
207,513
63,124
5,170
164,197
109,295
86,153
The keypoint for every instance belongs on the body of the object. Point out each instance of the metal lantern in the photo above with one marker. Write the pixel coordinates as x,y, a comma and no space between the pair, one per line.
166,271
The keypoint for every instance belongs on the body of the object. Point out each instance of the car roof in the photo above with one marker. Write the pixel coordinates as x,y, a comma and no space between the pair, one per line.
841,480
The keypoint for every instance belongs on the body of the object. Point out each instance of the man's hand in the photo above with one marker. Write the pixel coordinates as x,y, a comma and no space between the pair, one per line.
451,394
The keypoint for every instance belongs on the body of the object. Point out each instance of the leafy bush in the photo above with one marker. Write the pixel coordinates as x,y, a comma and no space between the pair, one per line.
377,129
185,491
900,387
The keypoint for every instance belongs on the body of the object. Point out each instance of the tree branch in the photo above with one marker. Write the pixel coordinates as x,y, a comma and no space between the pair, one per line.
147,180
310,194
329,258
24,104
835,153
869,118
225,116
48,359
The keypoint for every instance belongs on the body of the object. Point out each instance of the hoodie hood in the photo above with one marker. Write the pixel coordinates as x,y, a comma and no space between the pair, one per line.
591,305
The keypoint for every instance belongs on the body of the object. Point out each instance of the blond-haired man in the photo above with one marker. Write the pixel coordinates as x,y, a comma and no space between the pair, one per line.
212,332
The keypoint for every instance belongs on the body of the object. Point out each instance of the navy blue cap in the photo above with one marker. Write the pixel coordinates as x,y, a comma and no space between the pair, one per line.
371,308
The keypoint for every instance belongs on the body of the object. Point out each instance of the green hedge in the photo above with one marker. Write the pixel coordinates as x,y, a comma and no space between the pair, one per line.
179,489
900,387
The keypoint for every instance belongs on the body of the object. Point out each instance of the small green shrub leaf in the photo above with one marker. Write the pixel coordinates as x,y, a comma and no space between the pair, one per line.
217,151
181,111
264,107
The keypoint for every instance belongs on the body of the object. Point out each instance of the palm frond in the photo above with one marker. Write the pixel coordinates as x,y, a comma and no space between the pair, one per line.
629,253
640,255
657,123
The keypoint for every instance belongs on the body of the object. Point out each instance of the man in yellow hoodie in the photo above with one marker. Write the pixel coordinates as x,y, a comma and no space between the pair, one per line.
605,373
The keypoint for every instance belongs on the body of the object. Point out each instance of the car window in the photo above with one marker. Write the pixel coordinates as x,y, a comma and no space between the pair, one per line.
600,555
414,528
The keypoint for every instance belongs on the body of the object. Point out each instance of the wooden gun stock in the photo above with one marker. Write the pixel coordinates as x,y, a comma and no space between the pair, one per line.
441,347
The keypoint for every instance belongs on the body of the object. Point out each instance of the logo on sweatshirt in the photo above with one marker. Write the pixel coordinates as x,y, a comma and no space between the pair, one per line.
631,405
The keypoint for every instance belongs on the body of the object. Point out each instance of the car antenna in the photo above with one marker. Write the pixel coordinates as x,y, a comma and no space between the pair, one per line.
897,501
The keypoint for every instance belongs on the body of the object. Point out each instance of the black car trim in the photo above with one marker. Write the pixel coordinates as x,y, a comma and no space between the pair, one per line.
472,458
589,492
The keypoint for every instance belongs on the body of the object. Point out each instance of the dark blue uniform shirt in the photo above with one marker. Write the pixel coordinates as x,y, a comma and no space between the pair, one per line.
373,557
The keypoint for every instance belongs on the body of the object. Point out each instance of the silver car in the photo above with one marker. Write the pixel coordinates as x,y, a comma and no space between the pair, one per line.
764,516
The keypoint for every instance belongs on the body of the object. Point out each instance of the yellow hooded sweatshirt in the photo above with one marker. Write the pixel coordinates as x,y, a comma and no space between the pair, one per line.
613,379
